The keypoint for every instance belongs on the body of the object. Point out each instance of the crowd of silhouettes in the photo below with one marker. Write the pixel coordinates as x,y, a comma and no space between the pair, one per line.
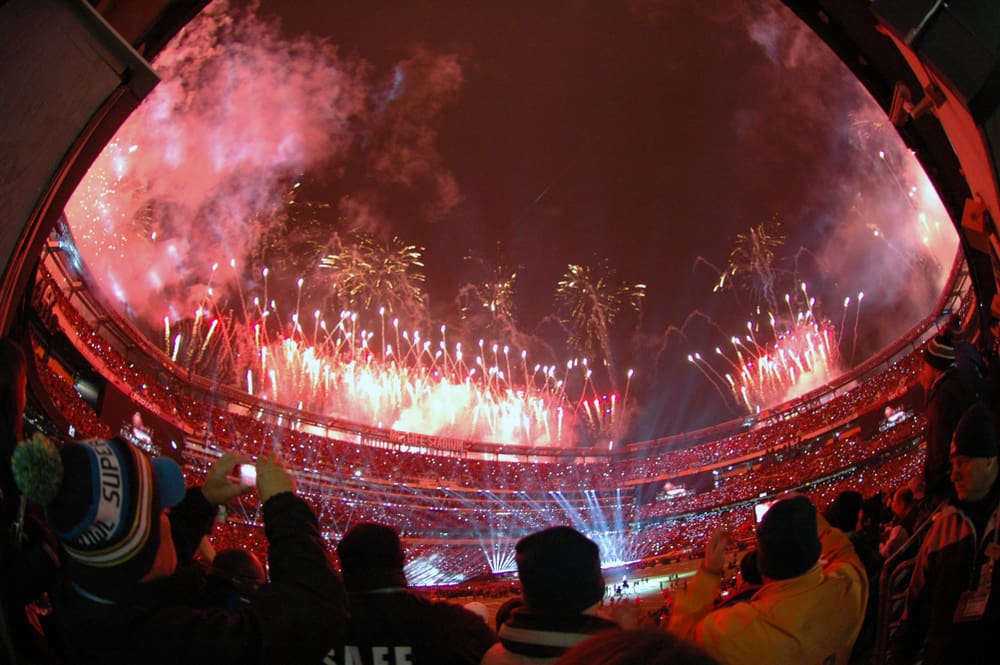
105,560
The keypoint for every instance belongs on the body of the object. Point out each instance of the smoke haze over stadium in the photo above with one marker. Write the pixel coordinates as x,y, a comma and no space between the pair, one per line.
645,138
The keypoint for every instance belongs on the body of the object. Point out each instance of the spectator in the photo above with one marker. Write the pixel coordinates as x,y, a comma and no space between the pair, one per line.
875,513
948,396
506,609
234,577
903,521
562,586
806,612
391,624
918,487
749,580
949,609
125,600
970,363
847,513
844,512
635,647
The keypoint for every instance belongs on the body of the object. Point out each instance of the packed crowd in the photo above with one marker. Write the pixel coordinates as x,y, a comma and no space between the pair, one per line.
70,405
116,525
681,535
178,400
473,498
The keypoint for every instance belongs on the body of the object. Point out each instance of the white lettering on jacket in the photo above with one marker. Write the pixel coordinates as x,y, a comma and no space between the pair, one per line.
380,656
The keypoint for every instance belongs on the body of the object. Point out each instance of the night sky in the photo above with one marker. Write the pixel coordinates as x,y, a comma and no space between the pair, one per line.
649,133
585,130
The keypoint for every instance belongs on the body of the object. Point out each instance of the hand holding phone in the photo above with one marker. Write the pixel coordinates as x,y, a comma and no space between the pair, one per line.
223,482
274,479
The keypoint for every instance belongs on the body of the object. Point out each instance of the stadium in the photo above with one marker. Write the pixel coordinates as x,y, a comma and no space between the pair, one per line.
461,502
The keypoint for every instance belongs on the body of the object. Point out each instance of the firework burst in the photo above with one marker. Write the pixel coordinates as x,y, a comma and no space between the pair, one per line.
788,356
751,263
395,378
365,271
591,299
490,303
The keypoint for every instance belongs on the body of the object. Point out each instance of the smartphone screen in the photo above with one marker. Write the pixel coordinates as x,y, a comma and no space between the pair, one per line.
248,475
760,509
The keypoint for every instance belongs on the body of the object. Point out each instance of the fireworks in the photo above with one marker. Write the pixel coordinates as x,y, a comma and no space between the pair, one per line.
490,303
751,262
205,168
366,271
150,233
802,354
593,299
395,378
801,351
205,164
383,374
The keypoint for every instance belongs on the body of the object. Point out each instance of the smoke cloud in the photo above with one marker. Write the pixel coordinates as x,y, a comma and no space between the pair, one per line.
177,202
404,151
859,212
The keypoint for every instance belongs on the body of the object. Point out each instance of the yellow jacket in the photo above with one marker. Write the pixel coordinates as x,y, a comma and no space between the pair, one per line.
812,619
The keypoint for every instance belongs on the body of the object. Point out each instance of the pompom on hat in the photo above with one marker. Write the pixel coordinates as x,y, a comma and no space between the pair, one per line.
102,499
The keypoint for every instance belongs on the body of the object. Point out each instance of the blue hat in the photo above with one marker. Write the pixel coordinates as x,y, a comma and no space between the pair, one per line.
103,500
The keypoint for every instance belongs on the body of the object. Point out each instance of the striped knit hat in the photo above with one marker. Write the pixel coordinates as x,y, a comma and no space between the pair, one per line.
939,352
103,500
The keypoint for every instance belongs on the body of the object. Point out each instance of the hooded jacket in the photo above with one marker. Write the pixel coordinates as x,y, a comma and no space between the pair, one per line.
811,619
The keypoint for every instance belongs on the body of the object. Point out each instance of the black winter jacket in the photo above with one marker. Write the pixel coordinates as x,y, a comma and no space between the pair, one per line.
396,626
947,400
169,620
